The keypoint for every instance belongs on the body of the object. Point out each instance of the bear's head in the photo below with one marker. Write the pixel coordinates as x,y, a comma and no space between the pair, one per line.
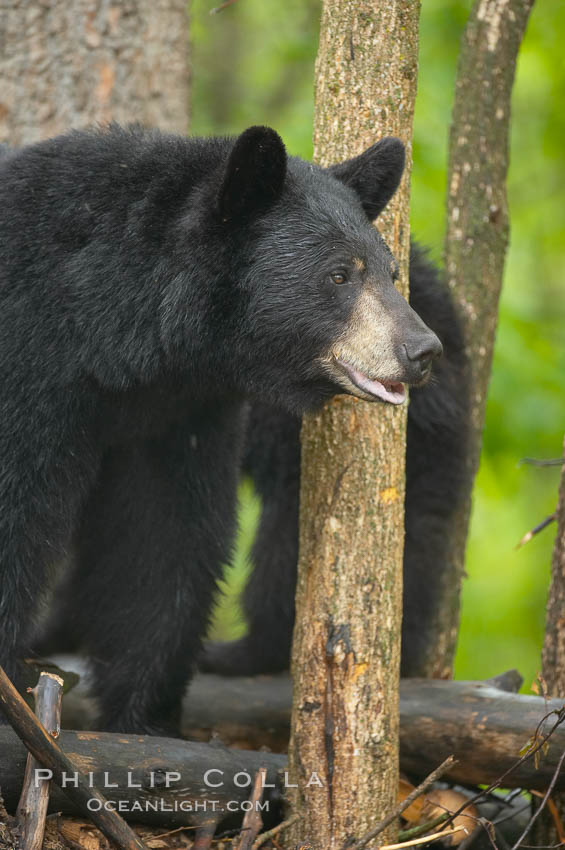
317,309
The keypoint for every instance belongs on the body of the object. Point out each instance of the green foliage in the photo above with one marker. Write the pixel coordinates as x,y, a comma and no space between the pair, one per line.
254,63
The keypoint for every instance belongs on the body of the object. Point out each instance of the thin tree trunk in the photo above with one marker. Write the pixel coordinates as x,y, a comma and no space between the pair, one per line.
347,640
69,64
475,249
553,654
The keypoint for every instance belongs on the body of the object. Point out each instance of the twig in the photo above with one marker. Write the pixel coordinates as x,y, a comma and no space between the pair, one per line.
422,828
531,752
173,831
41,745
270,833
204,835
542,804
425,839
540,527
221,8
444,767
554,812
511,815
252,822
34,799
557,461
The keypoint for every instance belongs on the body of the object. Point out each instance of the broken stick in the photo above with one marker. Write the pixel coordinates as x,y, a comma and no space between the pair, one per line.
32,808
41,745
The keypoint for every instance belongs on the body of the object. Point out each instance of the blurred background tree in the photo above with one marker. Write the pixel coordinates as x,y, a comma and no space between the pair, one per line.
253,62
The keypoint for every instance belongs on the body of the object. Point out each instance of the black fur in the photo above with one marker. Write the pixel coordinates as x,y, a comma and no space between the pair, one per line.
435,465
383,163
149,286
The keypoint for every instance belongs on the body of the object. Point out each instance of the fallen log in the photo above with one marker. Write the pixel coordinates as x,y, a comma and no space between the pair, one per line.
485,728
482,726
153,780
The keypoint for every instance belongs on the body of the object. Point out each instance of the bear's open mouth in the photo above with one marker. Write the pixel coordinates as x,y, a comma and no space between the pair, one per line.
392,392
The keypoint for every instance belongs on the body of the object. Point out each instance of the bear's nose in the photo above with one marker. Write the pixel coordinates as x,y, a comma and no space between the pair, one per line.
423,350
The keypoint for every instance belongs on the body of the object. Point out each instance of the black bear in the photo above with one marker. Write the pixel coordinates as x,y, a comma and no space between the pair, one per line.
436,454
149,286
435,468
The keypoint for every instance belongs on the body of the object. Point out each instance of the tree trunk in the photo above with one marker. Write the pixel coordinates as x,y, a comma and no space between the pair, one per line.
553,654
71,64
475,249
347,639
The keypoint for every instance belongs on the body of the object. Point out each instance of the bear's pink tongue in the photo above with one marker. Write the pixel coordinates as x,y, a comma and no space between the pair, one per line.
393,393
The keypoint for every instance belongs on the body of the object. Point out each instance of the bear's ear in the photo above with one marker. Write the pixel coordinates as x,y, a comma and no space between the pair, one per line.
374,174
254,174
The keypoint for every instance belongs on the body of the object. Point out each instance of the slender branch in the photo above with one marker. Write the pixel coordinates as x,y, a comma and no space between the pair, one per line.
252,821
444,767
41,745
423,828
426,839
542,805
204,835
221,8
270,833
553,461
536,530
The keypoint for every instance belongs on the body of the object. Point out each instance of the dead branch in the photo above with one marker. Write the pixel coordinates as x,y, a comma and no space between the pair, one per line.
252,821
425,839
417,792
552,461
41,745
34,800
543,803
221,7
270,833
536,529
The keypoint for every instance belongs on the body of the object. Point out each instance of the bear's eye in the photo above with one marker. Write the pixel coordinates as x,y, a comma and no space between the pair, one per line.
339,278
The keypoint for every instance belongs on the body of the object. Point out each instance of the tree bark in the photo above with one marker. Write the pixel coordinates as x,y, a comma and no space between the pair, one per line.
347,638
34,800
475,248
553,653
71,64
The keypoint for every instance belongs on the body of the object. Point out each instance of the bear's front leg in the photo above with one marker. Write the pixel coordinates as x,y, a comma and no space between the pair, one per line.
156,532
47,465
